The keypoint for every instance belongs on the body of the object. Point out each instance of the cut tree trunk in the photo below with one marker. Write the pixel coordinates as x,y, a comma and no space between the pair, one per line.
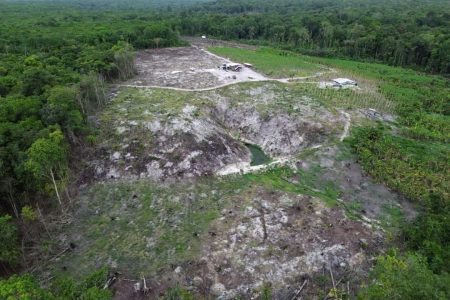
56,187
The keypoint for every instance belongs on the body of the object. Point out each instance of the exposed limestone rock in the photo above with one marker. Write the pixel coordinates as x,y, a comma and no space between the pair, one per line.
277,237
196,140
218,289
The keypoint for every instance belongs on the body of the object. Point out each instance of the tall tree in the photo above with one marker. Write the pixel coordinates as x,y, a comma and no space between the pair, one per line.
8,241
47,160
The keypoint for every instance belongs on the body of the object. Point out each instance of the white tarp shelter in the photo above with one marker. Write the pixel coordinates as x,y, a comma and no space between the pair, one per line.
344,81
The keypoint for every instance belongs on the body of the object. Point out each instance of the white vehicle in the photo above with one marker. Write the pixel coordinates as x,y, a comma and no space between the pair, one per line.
231,67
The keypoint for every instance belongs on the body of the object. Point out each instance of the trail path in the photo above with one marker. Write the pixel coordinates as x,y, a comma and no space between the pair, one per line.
282,80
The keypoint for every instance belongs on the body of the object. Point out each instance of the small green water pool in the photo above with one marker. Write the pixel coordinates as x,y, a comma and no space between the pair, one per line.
258,155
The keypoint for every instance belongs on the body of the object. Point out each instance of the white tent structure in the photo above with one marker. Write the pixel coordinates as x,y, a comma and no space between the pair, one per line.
344,82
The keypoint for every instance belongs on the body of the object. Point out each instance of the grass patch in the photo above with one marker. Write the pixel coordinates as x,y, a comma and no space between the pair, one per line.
421,100
308,183
268,97
393,217
282,64
346,98
278,64
149,104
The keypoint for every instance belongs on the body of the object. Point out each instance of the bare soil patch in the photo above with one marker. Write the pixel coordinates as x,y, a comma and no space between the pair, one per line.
281,239
223,238
190,68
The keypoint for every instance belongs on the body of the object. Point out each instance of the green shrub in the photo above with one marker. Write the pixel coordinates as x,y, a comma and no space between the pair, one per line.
8,241
22,288
26,288
177,293
91,288
429,234
96,294
418,170
402,278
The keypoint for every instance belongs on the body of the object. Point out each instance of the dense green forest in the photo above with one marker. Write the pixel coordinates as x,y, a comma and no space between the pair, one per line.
160,5
58,57
397,32
54,68
53,73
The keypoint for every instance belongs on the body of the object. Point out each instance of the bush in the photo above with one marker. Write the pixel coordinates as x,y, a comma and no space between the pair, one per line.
26,288
96,294
417,170
405,278
91,288
429,235
8,241
23,288
177,293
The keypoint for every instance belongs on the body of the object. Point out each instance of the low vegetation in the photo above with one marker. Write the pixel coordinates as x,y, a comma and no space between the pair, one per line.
165,224
406,277
277,66
267,59
26,287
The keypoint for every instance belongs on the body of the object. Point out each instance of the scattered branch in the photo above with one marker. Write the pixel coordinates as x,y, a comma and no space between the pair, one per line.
146,289
112,276
300,290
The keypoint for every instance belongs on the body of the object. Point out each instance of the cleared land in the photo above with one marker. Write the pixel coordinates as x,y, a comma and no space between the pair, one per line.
276,66
161,207
188,68
163,134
